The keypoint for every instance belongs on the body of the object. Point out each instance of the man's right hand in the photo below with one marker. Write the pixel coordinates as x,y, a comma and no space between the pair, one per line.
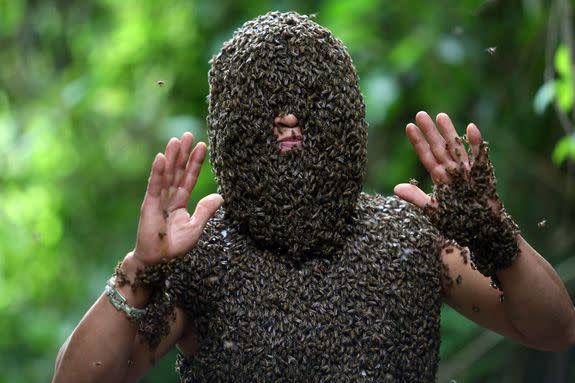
166,228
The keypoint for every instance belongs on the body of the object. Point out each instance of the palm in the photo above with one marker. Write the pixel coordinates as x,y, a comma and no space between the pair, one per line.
439,150
166,228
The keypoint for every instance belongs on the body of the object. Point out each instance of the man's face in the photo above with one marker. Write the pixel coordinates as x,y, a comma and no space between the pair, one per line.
288,133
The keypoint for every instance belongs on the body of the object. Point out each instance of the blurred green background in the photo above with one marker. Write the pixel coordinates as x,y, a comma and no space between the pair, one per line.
82,115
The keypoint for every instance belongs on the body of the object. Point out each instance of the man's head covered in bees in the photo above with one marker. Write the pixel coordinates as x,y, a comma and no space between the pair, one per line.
297,201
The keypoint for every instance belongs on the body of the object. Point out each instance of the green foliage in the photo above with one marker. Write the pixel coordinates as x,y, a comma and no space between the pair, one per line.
82,116
561,88
565,149
544,96
564,83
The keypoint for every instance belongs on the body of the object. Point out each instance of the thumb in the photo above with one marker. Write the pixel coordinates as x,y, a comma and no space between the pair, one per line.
205,209
412,194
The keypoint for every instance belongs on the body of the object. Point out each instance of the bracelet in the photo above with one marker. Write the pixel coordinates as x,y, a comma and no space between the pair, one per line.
119,302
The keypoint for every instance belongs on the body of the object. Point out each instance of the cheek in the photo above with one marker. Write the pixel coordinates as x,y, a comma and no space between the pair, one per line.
276,132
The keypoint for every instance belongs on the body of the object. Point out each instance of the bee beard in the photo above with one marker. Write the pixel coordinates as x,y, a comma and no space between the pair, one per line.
294,204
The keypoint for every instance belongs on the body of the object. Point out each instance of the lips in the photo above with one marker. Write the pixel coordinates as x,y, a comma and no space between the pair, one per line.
290,143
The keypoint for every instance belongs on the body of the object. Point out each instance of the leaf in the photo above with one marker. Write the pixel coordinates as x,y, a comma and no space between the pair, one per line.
564,84
544,97
564,149
564,93
562,62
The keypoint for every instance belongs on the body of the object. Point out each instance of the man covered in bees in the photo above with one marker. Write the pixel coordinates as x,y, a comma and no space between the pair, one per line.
298,275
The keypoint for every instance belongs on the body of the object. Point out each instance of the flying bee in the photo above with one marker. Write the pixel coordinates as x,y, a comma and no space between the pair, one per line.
491,50
541,224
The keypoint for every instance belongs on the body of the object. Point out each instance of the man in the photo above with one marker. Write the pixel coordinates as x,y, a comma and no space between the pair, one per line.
299,276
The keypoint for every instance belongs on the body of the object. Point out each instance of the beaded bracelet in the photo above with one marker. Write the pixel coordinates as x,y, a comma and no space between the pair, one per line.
119,302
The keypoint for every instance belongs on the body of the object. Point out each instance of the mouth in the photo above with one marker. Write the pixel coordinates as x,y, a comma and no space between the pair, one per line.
289,143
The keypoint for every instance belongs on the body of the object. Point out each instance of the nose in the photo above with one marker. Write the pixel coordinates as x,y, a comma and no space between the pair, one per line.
287,133
286,121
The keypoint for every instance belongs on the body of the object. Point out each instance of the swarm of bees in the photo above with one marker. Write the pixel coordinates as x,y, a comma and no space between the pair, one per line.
286,64
265,315
465,215
300,276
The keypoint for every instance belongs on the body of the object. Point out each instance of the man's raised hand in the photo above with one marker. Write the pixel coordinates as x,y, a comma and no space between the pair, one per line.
166,229
440,150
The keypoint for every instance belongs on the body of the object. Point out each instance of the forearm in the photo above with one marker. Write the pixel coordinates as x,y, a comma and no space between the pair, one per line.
100,347
536,301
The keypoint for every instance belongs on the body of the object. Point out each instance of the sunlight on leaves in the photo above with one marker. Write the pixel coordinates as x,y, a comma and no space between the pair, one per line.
565,149
381,91
544,97
564,84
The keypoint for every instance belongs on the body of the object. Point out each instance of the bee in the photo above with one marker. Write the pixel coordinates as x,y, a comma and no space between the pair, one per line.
491,50
541,224
457,152
161,83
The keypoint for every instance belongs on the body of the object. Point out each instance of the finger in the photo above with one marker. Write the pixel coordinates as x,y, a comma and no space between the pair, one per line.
179,199
412,194
194,165
423,151
156,176
205,209
183,154
449,134
185,148
434,139
172,149
474,137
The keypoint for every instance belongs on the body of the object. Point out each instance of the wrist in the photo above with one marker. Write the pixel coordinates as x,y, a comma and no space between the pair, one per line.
136,295
121,303
131,266
468,210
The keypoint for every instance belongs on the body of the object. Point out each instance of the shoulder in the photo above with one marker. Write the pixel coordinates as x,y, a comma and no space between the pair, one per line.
392,211
394,221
